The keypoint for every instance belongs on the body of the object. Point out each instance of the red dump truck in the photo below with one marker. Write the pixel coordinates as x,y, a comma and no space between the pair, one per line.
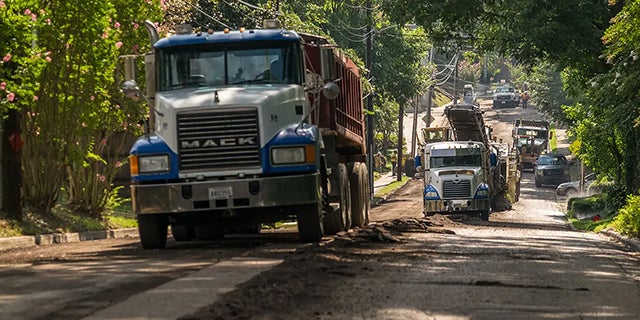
248,127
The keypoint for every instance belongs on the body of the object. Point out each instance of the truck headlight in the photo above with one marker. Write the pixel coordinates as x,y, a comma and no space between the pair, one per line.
293,155
539,172
482,192
149,164
430,193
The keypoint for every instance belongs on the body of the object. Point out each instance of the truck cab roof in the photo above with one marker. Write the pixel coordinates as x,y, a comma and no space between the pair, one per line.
228,37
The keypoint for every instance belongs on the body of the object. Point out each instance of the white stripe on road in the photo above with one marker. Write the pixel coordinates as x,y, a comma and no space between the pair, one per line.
187,295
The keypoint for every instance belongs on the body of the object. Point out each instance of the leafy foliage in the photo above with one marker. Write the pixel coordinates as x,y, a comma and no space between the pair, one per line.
628,218
67,91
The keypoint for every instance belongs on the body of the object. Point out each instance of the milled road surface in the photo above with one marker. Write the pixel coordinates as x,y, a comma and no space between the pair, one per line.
526,263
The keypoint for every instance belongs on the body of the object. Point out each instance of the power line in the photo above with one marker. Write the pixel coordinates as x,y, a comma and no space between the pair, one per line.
361,7
197,8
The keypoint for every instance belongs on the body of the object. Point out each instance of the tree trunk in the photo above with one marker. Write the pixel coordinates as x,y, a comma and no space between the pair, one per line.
11,168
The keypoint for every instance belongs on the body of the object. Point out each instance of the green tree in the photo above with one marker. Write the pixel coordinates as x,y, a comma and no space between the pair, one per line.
60,68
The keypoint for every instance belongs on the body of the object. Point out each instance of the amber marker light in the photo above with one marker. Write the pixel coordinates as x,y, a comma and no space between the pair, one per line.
133,165
310,153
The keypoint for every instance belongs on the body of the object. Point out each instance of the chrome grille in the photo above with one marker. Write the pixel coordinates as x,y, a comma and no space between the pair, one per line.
553,172
219,140
452,190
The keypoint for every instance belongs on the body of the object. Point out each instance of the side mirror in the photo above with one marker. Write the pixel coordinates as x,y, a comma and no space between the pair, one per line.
330,90
130,89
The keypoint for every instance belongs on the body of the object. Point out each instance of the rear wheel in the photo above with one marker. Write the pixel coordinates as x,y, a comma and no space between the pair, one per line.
310,223
153,230
340,220
360,200
182,232
210,232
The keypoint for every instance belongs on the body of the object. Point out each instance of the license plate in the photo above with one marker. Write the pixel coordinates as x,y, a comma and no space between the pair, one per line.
459,203
220,193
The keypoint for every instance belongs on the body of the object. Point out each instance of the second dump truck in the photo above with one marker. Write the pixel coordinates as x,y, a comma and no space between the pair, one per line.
464,174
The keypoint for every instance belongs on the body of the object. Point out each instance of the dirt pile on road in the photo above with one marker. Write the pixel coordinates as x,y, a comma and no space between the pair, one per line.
392,230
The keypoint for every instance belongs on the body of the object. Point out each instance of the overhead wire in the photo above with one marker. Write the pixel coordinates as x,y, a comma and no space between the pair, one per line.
361,7
248,16
197,8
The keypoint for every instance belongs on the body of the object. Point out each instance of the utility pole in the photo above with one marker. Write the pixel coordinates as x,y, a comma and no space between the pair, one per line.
415,127
455,80
430,90
369,125
399,152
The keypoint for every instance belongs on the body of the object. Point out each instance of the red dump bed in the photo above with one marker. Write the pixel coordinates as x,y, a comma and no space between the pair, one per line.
342,116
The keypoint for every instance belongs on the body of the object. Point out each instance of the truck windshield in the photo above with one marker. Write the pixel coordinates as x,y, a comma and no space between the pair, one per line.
215,65
504,90
456,161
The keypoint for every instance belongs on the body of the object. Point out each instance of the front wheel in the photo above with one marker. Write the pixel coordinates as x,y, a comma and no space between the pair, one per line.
310,223
152,229
572,193
484,215
538,184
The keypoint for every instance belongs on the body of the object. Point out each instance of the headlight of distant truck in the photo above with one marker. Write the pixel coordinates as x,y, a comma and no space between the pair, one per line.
539,172
430,193
293,155
149,164
482,192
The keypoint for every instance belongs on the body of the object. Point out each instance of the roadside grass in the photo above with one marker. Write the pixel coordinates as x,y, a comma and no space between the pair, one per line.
587,208
63,220
440,99
388,189
590,225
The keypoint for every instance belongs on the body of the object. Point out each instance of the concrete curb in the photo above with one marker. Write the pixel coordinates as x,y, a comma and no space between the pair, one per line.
631,243
55,238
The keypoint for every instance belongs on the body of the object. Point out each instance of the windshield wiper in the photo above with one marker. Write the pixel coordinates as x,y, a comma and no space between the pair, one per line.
251,81
187,85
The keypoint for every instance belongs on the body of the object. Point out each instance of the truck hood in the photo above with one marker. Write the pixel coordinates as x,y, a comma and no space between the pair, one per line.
275,105
248,95
459,171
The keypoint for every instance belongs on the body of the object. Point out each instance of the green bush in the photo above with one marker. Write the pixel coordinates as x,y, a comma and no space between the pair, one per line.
627,221
590,204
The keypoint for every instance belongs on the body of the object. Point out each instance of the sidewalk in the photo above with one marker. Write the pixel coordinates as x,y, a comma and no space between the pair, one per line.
385,180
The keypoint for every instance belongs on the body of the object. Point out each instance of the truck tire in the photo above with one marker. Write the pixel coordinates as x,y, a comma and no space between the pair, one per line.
359,180
247,228
340,220
310,223
152,229
210,232
484,215
182,232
